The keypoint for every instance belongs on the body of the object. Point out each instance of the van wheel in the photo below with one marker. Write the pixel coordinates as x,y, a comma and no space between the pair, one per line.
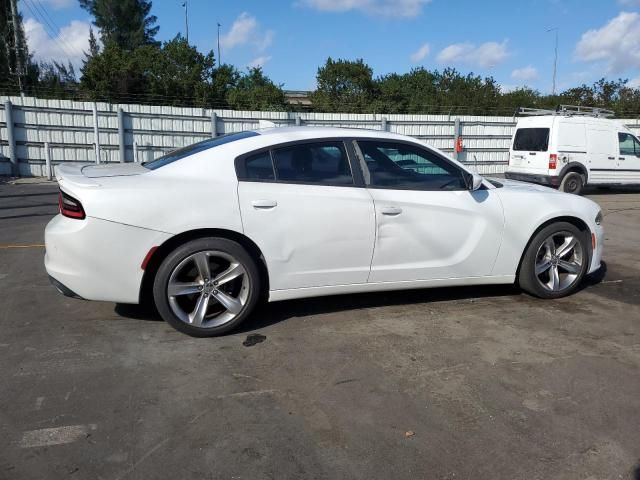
573,182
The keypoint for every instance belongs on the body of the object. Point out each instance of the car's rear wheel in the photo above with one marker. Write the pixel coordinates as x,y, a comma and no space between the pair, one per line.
207,287
573,182
555,261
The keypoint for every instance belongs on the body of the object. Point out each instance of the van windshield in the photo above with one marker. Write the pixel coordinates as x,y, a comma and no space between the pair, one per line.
531,140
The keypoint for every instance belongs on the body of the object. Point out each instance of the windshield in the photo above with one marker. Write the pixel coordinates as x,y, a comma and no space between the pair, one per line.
531,140
195,148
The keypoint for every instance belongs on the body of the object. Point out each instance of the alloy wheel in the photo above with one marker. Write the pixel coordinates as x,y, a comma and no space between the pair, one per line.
559,261
208,289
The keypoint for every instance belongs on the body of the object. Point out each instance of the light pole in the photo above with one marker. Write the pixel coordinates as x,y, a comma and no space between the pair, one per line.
555,60
219,58
186,19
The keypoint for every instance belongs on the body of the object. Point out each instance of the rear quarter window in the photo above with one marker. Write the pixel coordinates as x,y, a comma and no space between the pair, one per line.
195,148
531,140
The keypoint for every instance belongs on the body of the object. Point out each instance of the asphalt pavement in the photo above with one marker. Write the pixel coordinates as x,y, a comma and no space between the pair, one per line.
479,383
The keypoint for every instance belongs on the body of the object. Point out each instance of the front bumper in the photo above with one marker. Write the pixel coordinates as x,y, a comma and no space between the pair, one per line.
549,180
596,254
97,259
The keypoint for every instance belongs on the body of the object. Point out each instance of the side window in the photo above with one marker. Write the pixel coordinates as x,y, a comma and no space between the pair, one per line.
628,144
258,167
404,166
531,140
324,163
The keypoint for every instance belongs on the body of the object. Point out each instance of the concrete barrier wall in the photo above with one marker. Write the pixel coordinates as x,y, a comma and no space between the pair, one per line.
144,132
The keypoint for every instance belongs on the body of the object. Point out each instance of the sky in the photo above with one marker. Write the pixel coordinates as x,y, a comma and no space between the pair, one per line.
506,39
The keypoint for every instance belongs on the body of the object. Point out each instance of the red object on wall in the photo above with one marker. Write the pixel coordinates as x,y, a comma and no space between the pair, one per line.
459,147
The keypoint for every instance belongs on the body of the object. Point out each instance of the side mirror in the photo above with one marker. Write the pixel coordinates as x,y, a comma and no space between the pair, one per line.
476,182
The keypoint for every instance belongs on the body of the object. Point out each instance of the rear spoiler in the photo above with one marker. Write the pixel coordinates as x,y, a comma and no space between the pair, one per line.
70,175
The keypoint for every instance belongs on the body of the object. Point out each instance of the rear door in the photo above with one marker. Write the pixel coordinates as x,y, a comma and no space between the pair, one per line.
571,142
628,158
300,204
529,150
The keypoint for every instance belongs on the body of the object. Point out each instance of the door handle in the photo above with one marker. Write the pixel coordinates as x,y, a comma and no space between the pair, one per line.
621,158
392,211
264,204
611,158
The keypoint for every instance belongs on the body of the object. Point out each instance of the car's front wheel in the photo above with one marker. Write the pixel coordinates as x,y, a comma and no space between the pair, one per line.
207,287
555,261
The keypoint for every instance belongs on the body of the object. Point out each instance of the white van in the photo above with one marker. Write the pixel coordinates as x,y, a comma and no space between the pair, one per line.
573,147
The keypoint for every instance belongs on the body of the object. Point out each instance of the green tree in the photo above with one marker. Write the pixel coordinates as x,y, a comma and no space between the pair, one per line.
56,80
344,86
117,75
127,23
224,78
10,56
255,91
178,72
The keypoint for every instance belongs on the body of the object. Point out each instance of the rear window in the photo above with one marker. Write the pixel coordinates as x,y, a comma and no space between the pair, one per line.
531,140
323,163
195,148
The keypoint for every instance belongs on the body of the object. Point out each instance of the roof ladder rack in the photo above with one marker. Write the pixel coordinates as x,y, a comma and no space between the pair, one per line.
568,110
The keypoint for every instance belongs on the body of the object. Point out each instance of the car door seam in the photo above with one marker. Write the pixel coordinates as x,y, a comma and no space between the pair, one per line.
375,233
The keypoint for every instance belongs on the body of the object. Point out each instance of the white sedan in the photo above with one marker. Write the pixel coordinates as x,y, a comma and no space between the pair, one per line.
206,231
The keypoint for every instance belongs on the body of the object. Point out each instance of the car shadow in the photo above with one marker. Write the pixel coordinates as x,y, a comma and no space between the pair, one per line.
618,189
267,314
270,313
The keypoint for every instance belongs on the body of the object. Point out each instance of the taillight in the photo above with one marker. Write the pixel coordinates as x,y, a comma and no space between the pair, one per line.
553,161
70,207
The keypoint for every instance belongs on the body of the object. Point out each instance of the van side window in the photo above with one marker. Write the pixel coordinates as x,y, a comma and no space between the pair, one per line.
531,140
629,145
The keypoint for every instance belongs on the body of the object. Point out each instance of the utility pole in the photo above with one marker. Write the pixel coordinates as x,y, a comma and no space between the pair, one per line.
555,61
219,57
17,44
186,18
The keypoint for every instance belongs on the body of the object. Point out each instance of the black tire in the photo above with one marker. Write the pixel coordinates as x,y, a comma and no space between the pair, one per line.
573,182
177,258
527,278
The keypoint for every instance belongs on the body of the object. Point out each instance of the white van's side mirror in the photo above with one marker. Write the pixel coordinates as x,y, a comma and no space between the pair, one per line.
476,182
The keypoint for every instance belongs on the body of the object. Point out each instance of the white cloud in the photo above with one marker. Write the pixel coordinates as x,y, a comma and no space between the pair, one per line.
259,61
60,4
617,44
525,74
385,8
634,83
68,45
421,53
246,31
629,3
486,55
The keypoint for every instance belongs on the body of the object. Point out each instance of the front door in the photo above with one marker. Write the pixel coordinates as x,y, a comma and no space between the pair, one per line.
628,158
429,225
313,226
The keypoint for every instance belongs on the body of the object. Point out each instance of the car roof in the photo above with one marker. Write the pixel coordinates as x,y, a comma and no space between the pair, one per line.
308,132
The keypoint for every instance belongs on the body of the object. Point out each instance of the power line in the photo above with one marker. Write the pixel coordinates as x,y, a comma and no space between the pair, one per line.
41,6
48,28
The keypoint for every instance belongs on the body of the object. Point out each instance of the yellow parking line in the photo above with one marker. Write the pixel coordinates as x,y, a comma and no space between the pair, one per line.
35,245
